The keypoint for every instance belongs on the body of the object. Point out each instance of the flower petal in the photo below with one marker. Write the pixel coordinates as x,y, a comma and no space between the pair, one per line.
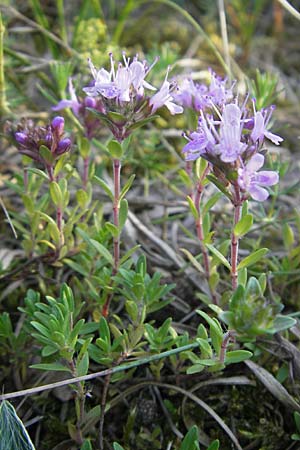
255,163
273,137
258,193
267,178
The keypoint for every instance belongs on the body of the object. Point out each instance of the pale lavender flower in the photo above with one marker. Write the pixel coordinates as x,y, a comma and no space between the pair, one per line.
73,103
163,97
260,131
230,145
253,182
124,84
200,96
196,146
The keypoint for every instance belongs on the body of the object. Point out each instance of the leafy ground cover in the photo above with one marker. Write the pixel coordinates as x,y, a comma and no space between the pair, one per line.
150,235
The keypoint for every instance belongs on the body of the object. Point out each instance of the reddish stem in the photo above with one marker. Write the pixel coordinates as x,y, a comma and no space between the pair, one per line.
189,171
116,240
234,238
116,170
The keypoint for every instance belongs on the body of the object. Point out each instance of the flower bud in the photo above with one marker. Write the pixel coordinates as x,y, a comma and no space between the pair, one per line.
21,138
57,125
63,146
90,102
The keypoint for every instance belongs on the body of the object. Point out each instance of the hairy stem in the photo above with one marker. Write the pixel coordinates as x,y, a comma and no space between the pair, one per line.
234,238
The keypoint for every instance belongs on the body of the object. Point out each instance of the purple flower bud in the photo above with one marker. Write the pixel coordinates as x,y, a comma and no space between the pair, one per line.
48,139
90,102
57,125
21,138
63,146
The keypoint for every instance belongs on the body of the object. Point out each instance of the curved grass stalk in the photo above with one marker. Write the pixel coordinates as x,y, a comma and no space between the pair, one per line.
131,6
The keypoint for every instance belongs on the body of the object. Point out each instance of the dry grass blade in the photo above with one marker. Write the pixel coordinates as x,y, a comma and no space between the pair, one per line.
273,386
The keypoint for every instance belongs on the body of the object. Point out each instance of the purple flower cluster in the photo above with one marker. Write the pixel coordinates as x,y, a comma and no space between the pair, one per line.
199,96
123,91
231,138
30,139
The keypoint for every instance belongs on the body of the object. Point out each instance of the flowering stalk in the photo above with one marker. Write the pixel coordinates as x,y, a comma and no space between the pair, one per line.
200,233
45,145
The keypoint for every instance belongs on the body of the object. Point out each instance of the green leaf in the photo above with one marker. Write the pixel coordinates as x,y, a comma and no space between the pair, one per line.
237,356
13,434
117,446
41,329
46,154
86,445
185,177
56,194
243,225
219,256
211,202
82,198
141,123
191,440
38,172
200,167
83,365
115,149
52,366
297,420
219,185
105,187
123,213
129,253
193,260
214,445
112,229
216,332
288,236
84,146
193,208
195,368
253,258
102,250
28,203
127,186
281,323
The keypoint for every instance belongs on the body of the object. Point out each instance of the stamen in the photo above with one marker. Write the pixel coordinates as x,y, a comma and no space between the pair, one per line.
112,63
152,65
93,68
